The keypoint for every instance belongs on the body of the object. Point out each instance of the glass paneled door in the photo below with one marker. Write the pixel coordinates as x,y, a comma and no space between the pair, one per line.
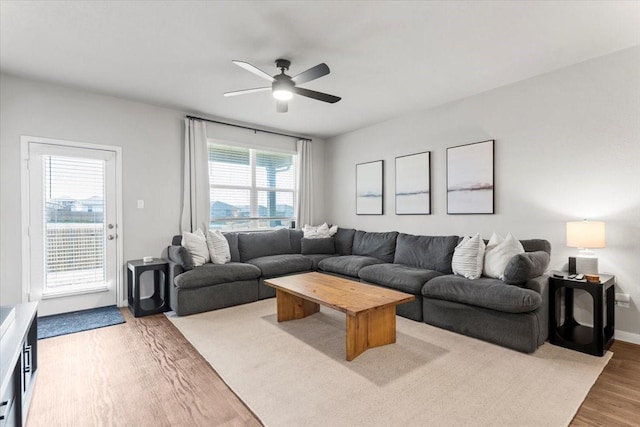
72,229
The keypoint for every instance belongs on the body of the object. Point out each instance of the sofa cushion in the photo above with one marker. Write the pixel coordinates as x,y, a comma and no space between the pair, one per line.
526,266
259,244
344,241
181,256
316,258
281,265
215,274
348,265
397,276
377,245
426,252
295,237
484,292
232,239
318,246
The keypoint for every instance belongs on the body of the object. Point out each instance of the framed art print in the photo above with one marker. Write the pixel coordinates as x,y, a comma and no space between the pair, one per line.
413,184
470,176
369,191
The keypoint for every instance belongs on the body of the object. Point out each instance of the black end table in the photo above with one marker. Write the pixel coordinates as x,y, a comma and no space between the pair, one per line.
158,302
569,333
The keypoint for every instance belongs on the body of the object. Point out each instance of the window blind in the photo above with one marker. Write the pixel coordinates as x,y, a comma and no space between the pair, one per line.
74,222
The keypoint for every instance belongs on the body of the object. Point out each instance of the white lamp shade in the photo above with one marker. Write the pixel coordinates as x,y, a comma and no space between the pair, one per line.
585,234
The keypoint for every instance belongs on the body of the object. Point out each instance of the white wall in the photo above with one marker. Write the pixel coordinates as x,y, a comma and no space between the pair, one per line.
151,138
567,148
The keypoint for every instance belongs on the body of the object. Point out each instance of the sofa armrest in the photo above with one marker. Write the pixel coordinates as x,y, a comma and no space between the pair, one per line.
540,284
175,270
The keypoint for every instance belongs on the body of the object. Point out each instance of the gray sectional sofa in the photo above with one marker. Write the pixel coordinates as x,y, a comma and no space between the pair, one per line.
512,312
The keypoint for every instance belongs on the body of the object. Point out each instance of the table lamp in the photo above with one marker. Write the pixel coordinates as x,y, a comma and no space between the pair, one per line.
585,235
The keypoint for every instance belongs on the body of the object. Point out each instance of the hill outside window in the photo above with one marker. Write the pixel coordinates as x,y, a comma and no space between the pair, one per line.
250,189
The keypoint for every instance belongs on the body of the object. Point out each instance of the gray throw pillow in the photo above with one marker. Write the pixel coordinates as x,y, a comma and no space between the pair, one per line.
523,267
318,246
181,256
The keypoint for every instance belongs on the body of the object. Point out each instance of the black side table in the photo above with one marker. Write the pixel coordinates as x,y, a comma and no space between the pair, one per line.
594,340
159,301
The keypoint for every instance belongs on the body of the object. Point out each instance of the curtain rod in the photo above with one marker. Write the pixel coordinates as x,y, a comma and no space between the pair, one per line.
248,128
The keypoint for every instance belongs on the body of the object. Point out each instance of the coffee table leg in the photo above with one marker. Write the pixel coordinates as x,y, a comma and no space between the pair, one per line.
291,307
370,329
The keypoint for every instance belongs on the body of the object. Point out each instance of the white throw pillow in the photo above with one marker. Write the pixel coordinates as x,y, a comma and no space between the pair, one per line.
319,231
196,245
218,247
498,254
468,257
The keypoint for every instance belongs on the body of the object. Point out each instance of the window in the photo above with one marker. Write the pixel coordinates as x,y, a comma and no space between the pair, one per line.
250,189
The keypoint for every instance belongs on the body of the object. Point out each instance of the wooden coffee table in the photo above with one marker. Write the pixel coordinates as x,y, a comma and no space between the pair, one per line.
371,310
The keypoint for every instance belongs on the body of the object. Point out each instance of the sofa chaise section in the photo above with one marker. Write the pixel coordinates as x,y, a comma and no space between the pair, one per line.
511,315
254,257
214,286
522,331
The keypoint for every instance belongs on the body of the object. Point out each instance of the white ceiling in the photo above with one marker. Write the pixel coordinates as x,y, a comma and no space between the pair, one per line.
386,58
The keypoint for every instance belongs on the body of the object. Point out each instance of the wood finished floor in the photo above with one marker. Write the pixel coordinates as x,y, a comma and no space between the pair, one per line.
145,373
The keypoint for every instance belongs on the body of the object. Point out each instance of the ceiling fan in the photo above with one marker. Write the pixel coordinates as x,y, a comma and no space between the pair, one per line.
283,86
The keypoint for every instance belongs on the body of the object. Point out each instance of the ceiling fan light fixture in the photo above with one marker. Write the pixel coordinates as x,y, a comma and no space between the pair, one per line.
282,94
283,86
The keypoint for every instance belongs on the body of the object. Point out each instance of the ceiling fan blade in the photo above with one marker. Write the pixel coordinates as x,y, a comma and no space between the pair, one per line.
311,74
282,106
246,91
316,95
253,69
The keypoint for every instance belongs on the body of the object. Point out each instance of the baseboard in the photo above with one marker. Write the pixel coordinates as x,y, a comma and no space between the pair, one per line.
627,336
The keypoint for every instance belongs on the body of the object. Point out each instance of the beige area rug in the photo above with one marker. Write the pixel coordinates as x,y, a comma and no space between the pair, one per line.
295,373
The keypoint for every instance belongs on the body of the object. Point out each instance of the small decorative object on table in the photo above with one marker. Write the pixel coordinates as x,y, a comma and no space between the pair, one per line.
592,278
571,334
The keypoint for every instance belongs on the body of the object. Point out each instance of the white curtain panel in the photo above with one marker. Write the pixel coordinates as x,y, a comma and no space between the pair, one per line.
305,183
195,205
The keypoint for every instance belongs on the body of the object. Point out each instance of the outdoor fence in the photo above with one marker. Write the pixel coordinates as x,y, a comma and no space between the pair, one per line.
74,246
